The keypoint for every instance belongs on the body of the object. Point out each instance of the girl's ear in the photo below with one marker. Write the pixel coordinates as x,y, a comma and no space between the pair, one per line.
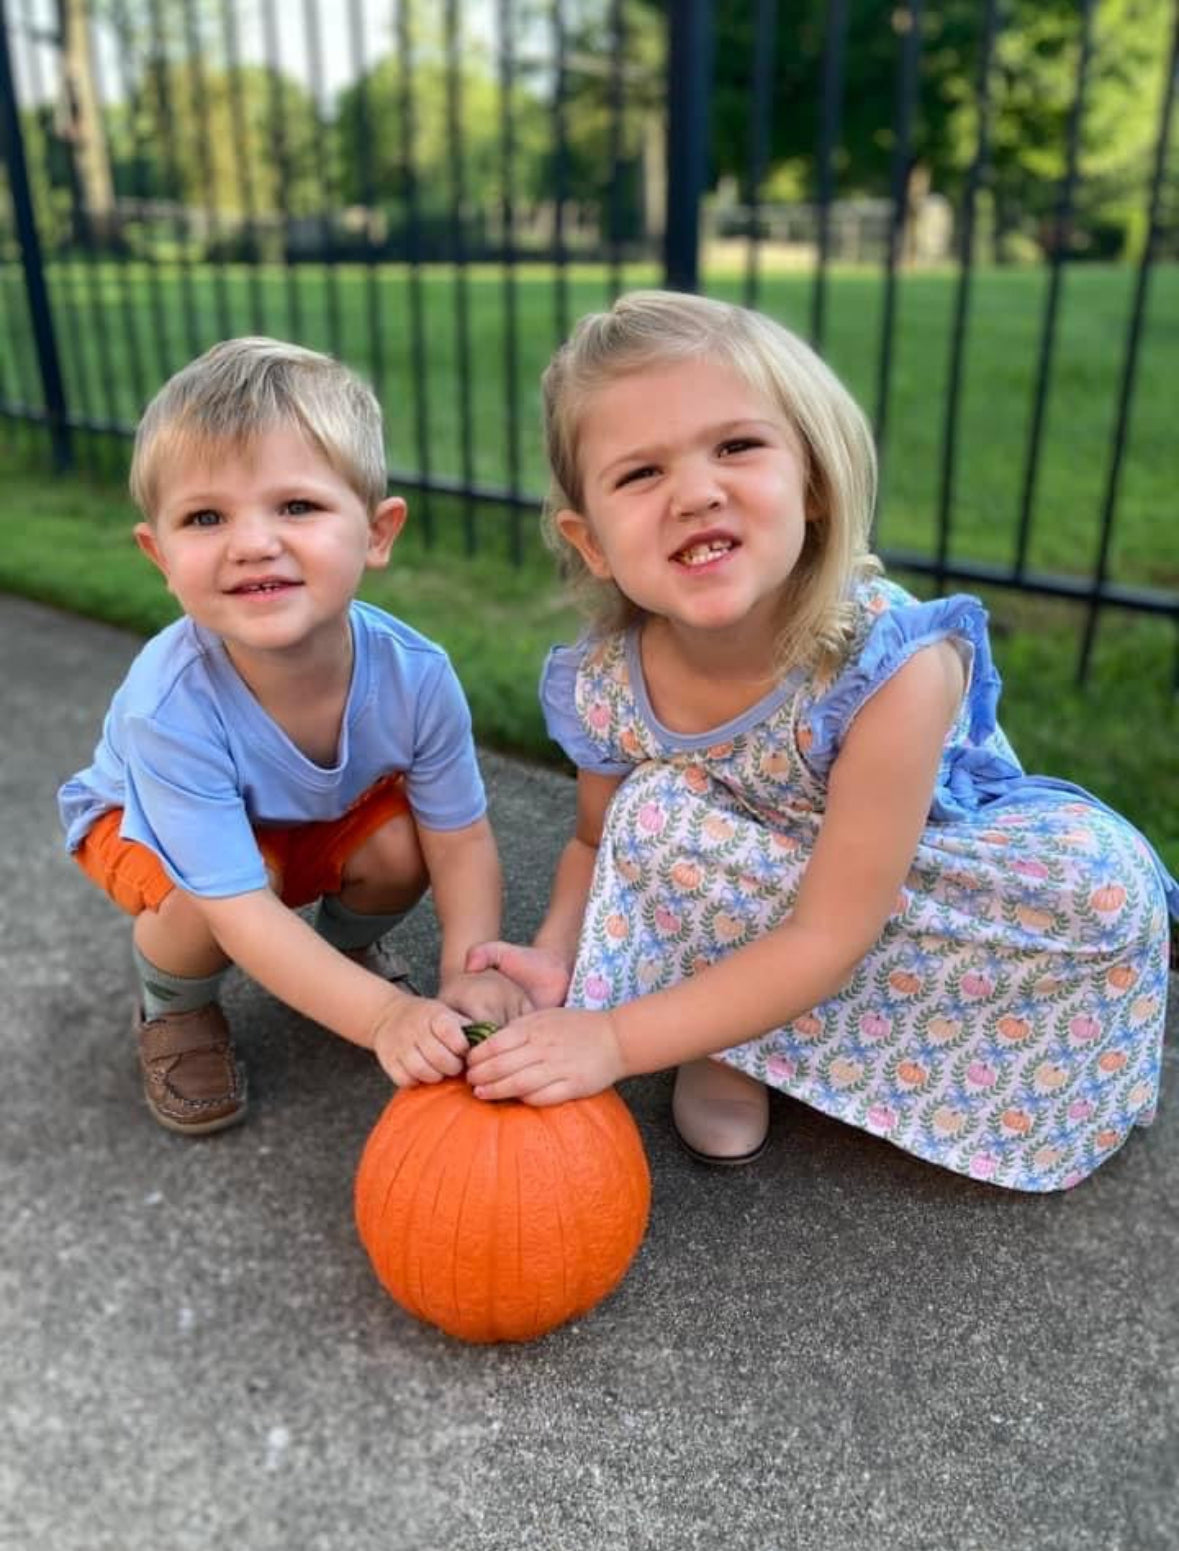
386,523
575,530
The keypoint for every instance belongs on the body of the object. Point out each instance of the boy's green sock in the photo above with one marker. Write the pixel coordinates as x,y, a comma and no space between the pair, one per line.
347,929
161,992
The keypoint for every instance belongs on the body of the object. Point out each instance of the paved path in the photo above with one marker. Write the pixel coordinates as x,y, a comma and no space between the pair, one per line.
839,1349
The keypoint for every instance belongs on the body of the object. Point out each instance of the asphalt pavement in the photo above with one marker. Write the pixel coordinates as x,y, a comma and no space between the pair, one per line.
839,1348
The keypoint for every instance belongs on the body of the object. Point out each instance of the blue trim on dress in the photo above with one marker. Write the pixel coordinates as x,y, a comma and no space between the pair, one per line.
692,742
558,702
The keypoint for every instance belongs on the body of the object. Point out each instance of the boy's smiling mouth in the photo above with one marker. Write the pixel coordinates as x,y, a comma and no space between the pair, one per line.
266,584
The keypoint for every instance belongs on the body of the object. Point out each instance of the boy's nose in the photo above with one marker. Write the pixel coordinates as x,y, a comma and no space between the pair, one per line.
253,537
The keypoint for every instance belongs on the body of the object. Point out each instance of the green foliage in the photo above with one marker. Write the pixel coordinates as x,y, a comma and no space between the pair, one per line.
68,542
1032,85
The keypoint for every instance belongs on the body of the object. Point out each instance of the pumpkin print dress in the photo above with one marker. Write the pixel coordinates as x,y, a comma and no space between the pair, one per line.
1008,1022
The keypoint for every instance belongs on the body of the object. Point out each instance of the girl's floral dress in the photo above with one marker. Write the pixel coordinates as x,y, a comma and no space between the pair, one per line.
1008,1022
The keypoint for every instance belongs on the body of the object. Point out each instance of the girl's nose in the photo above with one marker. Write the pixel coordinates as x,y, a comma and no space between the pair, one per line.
696,491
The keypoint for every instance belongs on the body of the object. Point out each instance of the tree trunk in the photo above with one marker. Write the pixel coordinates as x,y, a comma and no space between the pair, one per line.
81,126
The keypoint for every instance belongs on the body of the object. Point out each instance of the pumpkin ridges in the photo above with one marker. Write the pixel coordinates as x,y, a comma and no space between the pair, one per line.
499,1222
557,1158
595,1220
484,1159
419,1234
584,1207
394,1252
617,1127
432,1228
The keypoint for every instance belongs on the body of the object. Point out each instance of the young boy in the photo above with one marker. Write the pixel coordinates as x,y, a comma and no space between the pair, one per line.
282,742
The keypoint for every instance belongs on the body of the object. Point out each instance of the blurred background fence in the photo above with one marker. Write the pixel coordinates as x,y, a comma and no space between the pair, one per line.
967,206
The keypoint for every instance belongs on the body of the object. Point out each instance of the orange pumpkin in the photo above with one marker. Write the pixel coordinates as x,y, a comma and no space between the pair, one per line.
500,1221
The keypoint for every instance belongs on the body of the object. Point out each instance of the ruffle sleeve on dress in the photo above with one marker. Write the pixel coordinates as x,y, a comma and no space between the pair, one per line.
978,764
558,701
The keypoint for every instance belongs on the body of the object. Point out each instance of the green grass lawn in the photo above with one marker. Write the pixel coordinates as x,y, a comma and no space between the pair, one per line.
67,541
121,330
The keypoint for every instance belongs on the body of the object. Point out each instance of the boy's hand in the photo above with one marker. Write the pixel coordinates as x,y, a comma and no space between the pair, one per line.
485,997
544,975
419,1040
547,1057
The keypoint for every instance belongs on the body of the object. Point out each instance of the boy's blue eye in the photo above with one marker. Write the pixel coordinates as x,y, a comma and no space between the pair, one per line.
203,519
299,508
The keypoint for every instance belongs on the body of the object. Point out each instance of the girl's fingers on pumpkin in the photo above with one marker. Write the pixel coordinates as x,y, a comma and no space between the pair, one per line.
558,1091
507,1076
482,956
501,1043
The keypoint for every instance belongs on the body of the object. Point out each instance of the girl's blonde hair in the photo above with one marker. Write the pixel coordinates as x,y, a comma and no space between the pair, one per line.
241,389
658,328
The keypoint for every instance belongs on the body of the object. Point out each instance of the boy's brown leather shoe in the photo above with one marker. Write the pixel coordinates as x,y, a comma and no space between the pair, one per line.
380,959
191,1078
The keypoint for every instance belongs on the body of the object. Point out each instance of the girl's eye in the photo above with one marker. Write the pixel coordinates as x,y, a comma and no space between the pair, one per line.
202,519
631,475
739,444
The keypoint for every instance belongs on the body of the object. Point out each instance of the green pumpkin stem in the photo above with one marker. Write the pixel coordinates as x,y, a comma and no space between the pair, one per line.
476,1033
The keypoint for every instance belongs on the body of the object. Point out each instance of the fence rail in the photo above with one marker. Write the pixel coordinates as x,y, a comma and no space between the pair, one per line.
434,193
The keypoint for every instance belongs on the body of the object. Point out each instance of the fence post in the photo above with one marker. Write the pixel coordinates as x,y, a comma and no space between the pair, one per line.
12,147
689,91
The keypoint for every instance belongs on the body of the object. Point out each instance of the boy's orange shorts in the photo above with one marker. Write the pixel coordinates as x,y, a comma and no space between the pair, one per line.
305,860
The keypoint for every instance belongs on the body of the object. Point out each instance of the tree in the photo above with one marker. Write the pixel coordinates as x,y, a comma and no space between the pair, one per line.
80,125
1032,85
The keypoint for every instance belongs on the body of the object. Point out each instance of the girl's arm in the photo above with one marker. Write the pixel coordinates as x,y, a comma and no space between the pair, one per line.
544,969
877,805
467,888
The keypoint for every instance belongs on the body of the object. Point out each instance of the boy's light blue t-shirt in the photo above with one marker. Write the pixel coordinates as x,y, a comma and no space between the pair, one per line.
195,762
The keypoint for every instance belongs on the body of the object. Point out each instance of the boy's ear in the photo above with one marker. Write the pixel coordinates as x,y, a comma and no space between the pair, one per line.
387,522
145,537
575,530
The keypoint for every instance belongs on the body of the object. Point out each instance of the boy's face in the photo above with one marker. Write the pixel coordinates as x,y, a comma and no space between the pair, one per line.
266,546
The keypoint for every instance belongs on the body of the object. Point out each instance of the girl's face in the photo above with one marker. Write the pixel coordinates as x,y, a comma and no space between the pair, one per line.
694,497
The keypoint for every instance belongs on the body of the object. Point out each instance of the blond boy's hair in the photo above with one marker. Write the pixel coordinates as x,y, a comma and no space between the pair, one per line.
243,388
648,329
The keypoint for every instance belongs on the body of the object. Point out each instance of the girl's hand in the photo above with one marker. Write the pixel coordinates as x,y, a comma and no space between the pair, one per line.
484,997
542,974
419,1040
547,1057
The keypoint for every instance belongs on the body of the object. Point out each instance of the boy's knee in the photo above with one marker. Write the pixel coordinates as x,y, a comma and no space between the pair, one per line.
391,854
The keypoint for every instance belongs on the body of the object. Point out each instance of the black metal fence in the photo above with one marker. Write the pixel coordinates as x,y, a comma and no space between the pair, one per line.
434,193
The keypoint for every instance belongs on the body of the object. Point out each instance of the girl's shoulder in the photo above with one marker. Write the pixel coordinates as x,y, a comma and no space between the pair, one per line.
888,625
584,692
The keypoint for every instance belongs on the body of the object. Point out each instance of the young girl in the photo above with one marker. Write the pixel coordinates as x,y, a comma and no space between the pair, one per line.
805,854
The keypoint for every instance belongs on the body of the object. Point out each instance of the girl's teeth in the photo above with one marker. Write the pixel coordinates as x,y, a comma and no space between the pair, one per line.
700,553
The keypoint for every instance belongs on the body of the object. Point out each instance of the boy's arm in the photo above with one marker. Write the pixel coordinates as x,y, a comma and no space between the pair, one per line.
467,888
415,1040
